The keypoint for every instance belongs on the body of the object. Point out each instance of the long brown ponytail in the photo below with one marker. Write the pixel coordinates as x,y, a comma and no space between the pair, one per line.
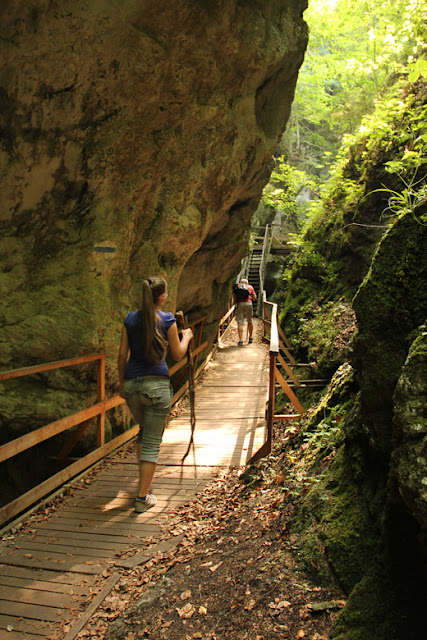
154,343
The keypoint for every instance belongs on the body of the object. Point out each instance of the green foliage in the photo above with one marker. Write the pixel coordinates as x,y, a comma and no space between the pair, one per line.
281,193
355,49
327,334
417,69
379,176
407,200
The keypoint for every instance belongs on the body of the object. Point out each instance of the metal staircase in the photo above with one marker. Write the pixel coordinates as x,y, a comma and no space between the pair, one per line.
254,266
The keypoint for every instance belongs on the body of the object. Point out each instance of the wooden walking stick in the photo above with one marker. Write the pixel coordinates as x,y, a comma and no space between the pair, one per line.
191,392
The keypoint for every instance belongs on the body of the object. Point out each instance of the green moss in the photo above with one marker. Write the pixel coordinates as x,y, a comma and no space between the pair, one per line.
368,615
339,537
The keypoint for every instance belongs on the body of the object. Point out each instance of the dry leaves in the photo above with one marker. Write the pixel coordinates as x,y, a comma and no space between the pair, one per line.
186,611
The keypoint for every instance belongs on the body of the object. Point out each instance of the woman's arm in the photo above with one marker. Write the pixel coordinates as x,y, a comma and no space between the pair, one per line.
123,357
178,348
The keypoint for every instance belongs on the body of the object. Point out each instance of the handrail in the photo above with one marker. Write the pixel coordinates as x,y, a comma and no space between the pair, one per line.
225,320
271,332
244,269
48,366
268,238
82,418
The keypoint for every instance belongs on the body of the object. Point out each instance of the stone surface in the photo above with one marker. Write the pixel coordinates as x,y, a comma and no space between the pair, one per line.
409,459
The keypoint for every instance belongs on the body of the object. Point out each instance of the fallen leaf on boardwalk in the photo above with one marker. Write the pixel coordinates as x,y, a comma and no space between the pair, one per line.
185,594
203,611
28,555
9,627
215,567
187,610
66,628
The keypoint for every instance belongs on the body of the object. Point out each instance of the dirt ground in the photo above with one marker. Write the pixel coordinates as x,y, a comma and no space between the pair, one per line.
229,574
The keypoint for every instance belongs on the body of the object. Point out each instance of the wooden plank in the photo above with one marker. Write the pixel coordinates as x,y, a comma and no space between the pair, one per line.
288,370
63,578
25,595
34,612
138,528
39,585
19,559
54,548
73,439
100,390
48,366
274,335
292,397
151,552
17,635
23,629
287,353
92,607
283,336
81,541
22,443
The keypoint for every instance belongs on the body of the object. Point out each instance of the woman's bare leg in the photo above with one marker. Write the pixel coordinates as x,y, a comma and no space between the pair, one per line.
146,472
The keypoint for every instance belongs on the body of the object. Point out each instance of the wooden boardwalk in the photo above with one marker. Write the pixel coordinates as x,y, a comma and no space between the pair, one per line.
64,561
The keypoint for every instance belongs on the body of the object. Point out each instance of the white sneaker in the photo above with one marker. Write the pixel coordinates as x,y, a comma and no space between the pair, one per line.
142,505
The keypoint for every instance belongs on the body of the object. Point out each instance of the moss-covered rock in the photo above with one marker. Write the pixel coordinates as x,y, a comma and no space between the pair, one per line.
409,458
390,304
338,534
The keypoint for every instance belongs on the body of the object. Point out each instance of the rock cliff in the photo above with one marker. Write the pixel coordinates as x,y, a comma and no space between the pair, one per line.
136,138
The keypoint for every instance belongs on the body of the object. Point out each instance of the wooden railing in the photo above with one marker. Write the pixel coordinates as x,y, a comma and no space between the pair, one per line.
225,322
277,339
81,420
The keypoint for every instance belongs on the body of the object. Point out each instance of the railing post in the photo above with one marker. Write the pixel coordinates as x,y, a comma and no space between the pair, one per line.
100,387
271,402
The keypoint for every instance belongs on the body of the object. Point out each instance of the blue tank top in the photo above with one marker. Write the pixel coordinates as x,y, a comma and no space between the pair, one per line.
137,365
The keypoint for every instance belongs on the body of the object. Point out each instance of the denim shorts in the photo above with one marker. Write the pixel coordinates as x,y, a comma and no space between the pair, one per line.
149,400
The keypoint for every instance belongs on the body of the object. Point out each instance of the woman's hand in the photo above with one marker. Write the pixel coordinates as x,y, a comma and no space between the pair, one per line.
187,334
178,348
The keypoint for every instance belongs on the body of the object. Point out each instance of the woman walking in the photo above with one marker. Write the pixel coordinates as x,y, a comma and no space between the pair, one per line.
144,376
